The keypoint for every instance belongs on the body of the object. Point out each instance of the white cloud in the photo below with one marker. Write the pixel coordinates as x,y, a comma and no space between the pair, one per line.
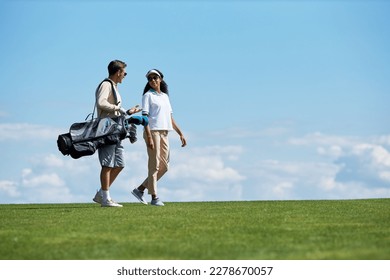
52,179
380,156
283,188
320,139
362,164
31,180
26,131
203,168
333,151
54,161
383,140
206,164
365,163
280,180
9,188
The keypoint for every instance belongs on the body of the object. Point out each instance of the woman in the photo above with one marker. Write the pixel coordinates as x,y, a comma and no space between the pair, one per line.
156,105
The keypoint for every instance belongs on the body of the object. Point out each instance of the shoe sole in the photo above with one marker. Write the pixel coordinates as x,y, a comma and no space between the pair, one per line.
106,205
136,196
156,204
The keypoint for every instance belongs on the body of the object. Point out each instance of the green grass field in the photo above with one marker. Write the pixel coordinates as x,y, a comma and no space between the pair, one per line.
274,230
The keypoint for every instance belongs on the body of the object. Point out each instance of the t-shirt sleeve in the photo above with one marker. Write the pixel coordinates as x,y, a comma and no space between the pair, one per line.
145,104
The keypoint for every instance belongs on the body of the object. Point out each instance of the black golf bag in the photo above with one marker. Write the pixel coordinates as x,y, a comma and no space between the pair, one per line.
83,139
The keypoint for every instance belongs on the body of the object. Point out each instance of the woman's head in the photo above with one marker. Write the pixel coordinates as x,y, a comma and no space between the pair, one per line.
155,81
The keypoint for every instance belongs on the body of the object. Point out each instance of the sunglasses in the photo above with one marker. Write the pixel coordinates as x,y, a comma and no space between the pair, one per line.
150,78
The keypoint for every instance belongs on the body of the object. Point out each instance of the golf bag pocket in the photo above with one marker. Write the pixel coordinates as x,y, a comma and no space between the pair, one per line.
81,149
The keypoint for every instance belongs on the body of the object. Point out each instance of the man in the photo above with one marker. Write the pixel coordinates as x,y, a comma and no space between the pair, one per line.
111,157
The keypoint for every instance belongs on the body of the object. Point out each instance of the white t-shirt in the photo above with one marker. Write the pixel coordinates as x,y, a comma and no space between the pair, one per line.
158,108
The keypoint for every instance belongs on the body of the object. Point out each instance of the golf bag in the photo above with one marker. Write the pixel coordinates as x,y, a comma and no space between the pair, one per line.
83,139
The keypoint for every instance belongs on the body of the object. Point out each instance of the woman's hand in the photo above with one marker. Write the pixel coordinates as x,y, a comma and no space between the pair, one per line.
183,141
150,142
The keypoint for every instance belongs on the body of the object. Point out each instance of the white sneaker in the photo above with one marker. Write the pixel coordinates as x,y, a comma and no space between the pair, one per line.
98,197
110,203
157,202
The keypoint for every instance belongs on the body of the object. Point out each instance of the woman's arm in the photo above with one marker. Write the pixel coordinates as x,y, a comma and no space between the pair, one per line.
149,138
178,130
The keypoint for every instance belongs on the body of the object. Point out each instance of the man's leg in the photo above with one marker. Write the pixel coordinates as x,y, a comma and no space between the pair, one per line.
113,174
110,156
105,178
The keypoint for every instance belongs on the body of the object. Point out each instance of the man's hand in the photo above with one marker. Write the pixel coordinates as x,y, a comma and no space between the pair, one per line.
122,111
134,110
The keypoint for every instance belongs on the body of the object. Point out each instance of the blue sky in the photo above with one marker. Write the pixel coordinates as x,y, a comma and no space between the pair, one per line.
279,100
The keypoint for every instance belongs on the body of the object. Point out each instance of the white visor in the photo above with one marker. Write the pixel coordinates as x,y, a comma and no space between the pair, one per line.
153,72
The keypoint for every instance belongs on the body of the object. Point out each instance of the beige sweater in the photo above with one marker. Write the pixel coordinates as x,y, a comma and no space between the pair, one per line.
106,106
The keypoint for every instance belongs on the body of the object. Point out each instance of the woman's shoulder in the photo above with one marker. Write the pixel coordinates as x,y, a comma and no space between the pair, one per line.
153,92
147,93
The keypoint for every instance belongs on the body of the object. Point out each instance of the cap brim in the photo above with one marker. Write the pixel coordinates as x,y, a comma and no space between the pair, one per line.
152,72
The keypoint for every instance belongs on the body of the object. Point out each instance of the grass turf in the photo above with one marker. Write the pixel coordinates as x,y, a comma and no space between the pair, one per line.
278,230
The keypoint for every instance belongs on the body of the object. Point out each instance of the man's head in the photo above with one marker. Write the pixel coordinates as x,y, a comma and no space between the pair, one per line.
116,70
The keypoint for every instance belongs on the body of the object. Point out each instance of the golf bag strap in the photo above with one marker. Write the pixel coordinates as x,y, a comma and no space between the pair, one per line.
113,91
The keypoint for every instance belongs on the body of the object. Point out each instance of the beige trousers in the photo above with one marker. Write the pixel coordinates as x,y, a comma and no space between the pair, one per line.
158,159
